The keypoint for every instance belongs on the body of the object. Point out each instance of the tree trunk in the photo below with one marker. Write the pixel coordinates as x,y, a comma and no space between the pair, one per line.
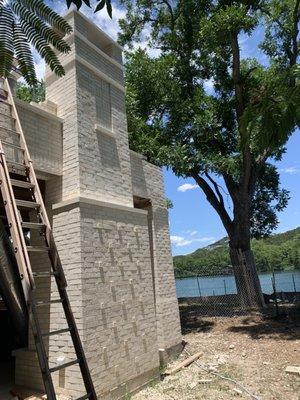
246,278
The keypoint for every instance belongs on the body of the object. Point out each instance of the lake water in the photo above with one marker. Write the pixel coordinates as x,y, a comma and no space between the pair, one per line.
219,285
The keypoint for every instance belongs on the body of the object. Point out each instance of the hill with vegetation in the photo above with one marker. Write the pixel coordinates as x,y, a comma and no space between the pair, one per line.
280,252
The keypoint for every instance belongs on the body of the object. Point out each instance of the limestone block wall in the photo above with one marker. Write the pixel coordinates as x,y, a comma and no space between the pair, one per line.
63,92
147,182
68,240
110,287
138,177
88,51
96,160
95,36
117,258
104,154
43,132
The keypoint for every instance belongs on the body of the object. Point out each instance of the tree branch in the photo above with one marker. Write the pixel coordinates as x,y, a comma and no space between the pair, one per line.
221,200
171,13
238,87
236,74
267,12
213,200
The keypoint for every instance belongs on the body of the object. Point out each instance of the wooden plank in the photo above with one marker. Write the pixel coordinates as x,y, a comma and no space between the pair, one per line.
292,369
183,364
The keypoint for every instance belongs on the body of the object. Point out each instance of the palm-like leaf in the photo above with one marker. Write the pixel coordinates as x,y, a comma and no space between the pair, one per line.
47,14
6,41
43,48
42,29
30,21
23,53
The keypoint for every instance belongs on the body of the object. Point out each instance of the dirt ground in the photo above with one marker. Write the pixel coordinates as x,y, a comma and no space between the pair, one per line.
253,350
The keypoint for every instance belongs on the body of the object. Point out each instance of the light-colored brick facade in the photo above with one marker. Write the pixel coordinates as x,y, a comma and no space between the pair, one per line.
110,223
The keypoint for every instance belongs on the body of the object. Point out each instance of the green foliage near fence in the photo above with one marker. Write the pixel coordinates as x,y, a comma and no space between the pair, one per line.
280,252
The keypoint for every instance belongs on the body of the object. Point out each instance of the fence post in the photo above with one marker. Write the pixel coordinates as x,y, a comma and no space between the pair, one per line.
294,283
275,293
214,301
225,289
198,286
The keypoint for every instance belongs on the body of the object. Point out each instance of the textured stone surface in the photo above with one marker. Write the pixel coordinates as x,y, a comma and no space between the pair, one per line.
117,258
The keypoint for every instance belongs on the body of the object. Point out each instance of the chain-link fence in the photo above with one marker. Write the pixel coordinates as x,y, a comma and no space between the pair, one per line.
218,295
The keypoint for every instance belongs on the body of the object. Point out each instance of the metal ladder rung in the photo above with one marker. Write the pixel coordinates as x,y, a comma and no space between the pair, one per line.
22,184
16,165
33,225
86,396
7,115
14,146
63,366
43,274
27,204
37,248
58,332
9,130
47,303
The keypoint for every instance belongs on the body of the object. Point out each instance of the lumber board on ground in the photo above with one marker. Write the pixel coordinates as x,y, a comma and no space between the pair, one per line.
292,369
183,364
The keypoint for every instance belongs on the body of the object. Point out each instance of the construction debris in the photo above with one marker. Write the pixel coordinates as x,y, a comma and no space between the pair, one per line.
292,369
183,364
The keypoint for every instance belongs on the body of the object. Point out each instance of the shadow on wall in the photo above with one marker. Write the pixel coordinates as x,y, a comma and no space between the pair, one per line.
108,151
138,176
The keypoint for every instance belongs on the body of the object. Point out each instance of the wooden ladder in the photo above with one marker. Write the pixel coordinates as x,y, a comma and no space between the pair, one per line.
26,180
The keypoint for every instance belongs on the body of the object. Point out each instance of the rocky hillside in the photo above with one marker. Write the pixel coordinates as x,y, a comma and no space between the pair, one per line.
279,251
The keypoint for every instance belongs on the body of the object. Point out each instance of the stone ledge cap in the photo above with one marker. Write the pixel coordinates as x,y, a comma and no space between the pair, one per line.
97,203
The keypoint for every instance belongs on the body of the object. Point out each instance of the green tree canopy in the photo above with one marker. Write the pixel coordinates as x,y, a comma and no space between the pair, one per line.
279,252
34,93
226,138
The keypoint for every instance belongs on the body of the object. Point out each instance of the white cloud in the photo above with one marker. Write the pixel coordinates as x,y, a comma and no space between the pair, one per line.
186,186
180,241
290,170
193,233
103,21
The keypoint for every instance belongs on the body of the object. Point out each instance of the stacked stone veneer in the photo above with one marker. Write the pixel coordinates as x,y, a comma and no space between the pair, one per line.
116,257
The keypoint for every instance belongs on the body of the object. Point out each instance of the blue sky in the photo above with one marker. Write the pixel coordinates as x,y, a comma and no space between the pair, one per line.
193,223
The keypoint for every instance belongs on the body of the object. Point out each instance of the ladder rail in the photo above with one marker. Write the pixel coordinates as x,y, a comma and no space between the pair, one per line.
39,199
27,157
26,273
57,268
15,228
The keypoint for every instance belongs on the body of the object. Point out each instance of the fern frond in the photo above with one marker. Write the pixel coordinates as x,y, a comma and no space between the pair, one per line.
6,41
40,27
43,48
24,56
47,14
